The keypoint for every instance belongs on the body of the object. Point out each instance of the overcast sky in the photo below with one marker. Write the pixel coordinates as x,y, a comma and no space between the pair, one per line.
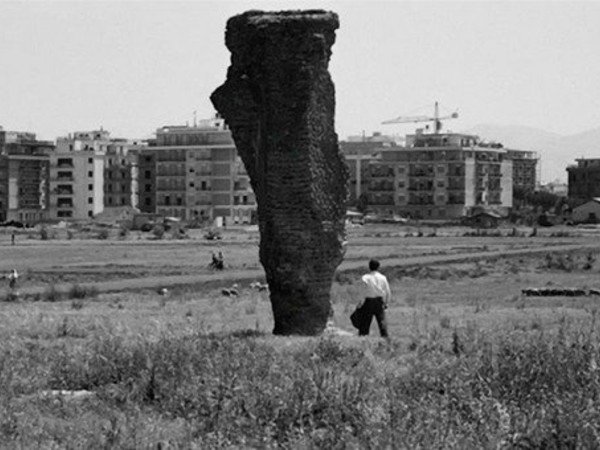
132,67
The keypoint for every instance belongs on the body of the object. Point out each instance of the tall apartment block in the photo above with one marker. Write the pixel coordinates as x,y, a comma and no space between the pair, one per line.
358,154
525,169
121,173
440,176
90,172
584,179
194,173
24,174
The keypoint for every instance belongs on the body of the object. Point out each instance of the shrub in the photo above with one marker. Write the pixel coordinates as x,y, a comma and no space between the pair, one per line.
123,232
103,234
51,294
158,231
78,291
77,303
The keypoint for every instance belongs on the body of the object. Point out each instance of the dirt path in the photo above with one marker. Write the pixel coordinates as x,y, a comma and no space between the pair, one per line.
228,277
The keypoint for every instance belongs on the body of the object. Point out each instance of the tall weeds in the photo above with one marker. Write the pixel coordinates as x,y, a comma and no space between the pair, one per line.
242,390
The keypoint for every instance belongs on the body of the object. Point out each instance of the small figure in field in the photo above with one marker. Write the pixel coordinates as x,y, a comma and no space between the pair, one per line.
12,237
12,279
377,297
217,261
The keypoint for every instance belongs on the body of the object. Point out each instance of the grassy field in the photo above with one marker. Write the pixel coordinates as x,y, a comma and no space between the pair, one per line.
471,363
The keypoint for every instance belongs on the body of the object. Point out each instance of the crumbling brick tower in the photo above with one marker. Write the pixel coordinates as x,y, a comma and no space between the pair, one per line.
279,102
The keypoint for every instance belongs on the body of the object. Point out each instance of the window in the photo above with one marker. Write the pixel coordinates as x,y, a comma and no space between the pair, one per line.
440,183
90,173
147,201
148,187
147,174
90,214
192,184
167,200
90,160
90,200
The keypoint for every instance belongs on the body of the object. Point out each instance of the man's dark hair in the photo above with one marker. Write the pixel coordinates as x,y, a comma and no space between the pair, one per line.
373,264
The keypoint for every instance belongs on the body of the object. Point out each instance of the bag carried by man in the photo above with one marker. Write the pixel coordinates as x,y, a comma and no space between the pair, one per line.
358,316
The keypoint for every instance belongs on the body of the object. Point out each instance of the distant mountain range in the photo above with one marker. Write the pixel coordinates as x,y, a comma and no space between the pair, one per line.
556,151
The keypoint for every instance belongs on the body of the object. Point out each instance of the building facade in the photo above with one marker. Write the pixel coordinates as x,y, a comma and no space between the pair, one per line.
121,173
584,179
194,173
525,169
358,154
90,172
24,177
440,176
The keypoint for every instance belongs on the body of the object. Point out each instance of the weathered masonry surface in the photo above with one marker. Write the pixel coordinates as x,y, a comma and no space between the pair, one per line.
279,102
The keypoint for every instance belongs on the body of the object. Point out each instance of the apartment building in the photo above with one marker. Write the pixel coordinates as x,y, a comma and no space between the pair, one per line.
358,154
24,175
525,169
121,173
194,173
440,176
584,179
91,172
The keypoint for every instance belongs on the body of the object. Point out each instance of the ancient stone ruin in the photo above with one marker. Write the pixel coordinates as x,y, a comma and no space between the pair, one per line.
279,102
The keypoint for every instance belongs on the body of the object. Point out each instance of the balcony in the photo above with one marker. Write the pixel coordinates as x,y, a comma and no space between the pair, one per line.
64,203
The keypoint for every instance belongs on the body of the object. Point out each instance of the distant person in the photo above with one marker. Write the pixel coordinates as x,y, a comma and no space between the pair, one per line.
377,297
217,261
12,237
12,279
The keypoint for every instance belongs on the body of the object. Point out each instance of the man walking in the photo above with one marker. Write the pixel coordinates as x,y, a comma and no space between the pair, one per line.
377,297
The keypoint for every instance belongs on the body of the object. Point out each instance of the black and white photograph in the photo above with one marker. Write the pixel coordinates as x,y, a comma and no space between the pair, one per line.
299,224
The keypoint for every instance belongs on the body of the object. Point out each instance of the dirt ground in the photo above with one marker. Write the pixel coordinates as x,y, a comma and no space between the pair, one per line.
138,256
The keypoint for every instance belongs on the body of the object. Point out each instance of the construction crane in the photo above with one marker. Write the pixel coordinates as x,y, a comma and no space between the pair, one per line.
436,119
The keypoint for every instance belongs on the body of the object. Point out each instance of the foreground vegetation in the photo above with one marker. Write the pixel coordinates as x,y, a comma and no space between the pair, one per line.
210,390
472,363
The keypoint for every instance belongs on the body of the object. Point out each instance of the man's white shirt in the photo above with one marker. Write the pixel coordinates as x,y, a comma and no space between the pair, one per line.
376,285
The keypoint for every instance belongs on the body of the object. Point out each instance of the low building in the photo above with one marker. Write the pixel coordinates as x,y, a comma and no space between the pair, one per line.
589,212
24,177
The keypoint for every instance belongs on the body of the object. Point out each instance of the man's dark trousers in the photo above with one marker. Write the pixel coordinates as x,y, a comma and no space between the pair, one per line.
373,306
